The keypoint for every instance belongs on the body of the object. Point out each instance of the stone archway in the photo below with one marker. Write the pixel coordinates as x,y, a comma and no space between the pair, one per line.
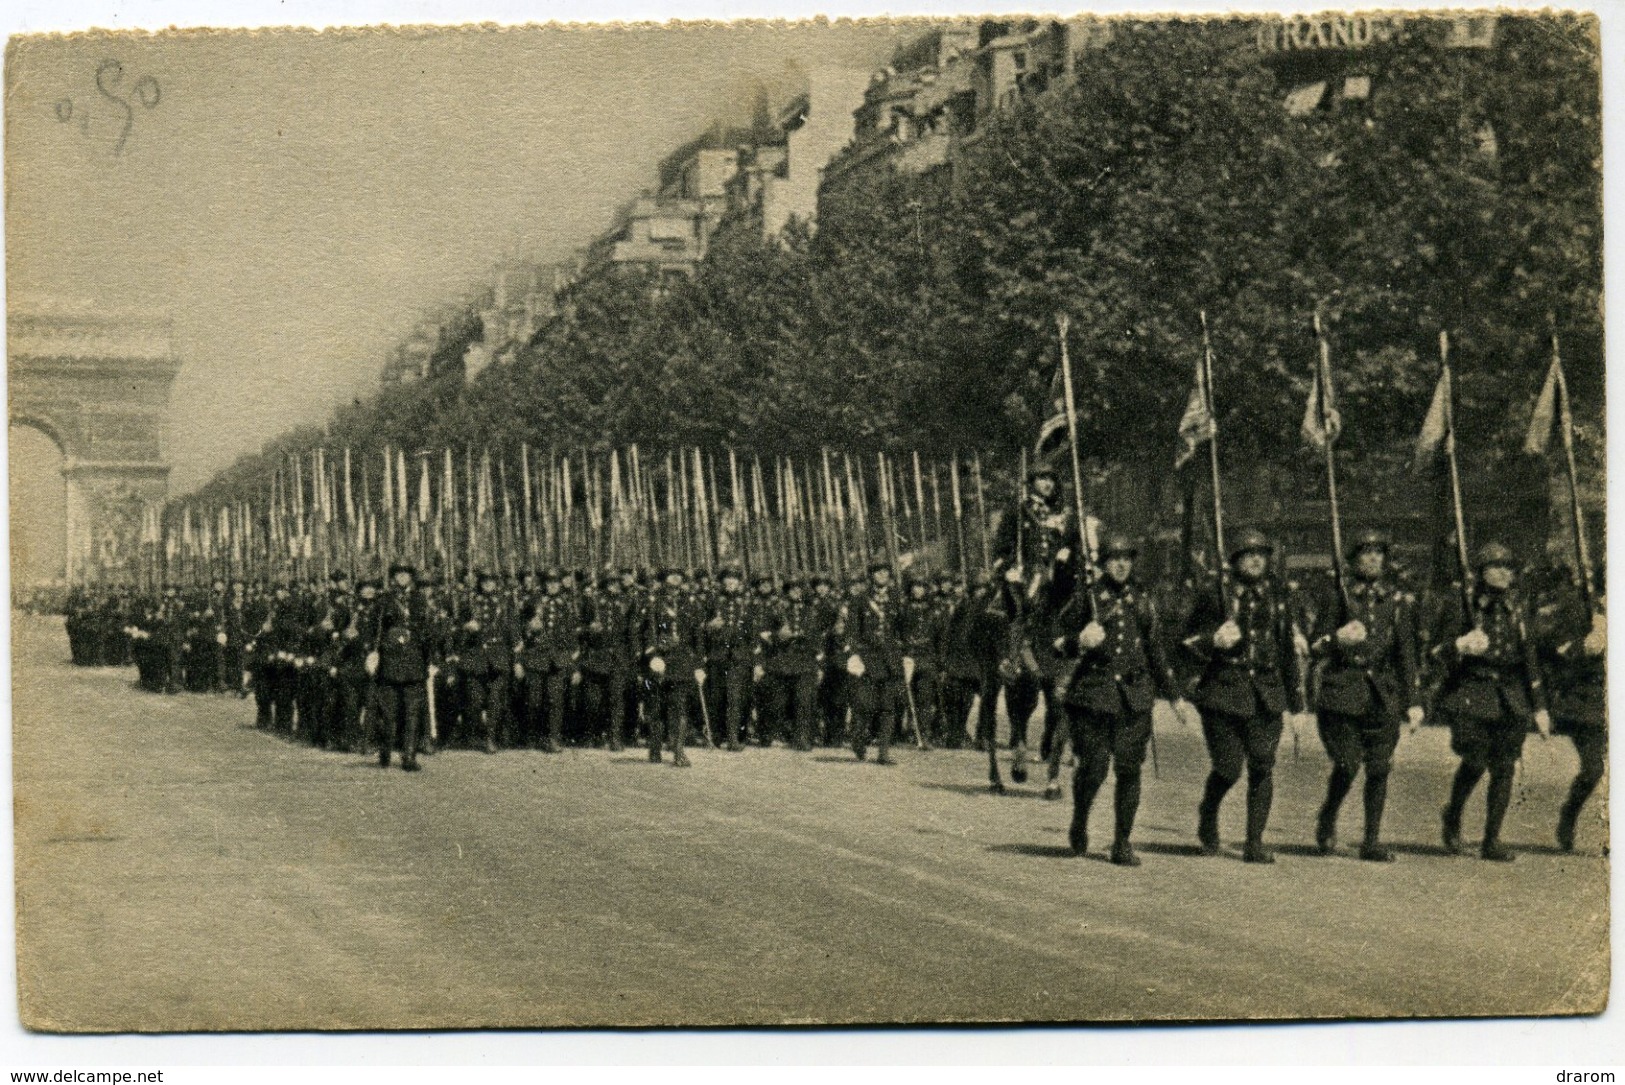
38,513
96,382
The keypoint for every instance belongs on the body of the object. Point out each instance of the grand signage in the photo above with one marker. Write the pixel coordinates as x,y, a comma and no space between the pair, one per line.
1323,33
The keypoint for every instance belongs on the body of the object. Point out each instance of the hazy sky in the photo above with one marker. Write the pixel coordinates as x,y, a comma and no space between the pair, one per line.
295,200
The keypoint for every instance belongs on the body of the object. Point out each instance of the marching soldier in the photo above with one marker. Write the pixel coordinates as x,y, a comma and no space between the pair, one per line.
1365,645
1251,686
1490,693
549,649
485,656
606,658
1574,648
732,652
921,623
961,661
670,635
794,660
874,661
1036,543
402,664
352,686
1120,669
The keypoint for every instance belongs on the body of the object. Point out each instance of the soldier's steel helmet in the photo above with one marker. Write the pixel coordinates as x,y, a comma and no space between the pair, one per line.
1119,545
1249,541
1370,539
1493,553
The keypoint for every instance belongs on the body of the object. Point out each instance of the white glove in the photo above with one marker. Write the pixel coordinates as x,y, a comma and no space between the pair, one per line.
908,668
699,676
434,671
1092,635
1227,636
657,665
332,672
372,663
472,625
1475,643
1013,575
1300,643
1414,715
1543,722
1596,643
1351,634
519,671
757,673
854,666
575,678
220,638
1062,554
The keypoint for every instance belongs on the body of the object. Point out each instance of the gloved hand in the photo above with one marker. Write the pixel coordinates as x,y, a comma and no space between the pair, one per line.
1227,636
1092,636
908,668
854,666
220,638
1596,643
699,676
1475,643
372,663
1351,634
657,665
1013,575
519,671
757,673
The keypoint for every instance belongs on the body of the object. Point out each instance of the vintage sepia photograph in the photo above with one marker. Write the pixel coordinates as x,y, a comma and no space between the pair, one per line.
979,520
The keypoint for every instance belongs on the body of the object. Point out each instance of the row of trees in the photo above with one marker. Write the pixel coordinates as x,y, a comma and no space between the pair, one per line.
1166,179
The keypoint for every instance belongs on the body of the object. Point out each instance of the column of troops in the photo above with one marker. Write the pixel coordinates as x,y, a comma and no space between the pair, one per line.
1061,628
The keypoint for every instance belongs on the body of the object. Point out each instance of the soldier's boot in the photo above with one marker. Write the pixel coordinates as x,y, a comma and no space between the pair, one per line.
679,759
1126,803
617,729
1260,793
1337,789
1018,763
1376,797
1497,800
883,754
1207,814
1466,778
1567,818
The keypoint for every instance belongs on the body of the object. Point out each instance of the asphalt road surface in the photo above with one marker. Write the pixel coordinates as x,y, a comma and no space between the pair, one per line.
179,870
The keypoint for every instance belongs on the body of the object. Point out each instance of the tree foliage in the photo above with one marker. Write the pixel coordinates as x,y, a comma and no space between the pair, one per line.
1164,181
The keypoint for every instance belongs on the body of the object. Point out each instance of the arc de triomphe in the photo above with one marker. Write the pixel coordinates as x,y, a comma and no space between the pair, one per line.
97,382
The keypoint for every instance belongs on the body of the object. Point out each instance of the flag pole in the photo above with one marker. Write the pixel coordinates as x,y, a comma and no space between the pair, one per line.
1220,558
1063,324
1582,553
1323,397
1455,474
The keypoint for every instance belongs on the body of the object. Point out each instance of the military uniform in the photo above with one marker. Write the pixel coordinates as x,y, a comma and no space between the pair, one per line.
1574,651
1364,645
606,661
873,649
549,647
1109,697
485,658
405,653
669,632
732,652
1489,697
1242,694
794,658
